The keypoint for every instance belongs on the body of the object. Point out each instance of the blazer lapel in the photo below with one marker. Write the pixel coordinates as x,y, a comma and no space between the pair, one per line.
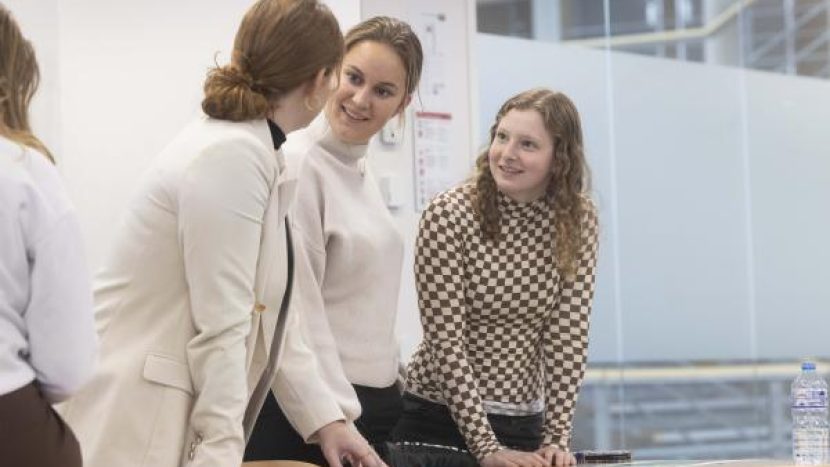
270,280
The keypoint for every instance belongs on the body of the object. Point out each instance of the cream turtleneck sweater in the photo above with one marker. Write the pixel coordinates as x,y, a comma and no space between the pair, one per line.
355,254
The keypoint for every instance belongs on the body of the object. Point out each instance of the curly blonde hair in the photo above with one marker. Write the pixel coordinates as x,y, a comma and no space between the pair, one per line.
567,190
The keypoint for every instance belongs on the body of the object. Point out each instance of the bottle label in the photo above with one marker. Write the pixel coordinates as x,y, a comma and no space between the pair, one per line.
808,398
810,445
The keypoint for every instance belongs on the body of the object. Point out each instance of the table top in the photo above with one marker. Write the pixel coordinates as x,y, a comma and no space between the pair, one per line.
672,463
276,464
699,463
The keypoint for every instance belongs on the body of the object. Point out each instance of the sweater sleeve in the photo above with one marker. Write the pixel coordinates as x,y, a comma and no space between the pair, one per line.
311,396
308,214
565,343
59,317
439,278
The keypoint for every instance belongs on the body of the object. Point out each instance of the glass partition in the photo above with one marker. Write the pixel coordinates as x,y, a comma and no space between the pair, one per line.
706,127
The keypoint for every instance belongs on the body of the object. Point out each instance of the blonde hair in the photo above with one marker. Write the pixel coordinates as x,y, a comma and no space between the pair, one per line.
567,190
280,45
399,36
19,79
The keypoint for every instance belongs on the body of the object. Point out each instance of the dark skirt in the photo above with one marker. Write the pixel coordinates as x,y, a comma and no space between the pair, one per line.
426,435
273,437
32,434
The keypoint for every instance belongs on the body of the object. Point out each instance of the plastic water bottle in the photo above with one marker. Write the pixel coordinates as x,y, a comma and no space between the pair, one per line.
811,431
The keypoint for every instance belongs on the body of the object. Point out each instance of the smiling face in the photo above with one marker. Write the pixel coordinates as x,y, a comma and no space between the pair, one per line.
521,155
372,90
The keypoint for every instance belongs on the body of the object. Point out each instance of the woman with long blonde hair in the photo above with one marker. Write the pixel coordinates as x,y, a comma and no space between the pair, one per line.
47,337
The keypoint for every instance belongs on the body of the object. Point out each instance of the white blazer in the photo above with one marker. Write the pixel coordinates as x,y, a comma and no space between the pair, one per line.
187,302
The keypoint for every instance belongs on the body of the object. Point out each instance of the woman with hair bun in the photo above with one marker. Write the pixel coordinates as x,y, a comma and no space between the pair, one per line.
191,304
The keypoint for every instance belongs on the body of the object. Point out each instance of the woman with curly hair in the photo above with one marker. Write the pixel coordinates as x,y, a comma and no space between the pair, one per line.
504,272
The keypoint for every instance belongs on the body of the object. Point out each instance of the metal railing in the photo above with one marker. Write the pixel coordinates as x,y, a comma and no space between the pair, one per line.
784,36
688,411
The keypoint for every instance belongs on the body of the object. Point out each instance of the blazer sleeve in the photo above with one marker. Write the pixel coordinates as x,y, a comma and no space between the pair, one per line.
565,344
222,201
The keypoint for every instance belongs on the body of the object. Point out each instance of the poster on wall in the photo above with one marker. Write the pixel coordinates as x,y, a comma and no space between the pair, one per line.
431,27
433,155
440,130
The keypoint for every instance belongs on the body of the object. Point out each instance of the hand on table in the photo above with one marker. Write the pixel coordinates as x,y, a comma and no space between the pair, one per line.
512,458
340,442
556,457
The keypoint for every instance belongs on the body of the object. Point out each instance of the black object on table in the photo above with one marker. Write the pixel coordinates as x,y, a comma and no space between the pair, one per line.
602,457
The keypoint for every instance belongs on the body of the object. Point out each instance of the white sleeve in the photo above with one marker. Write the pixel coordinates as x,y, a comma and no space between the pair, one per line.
334,394
59,316
311,396
222,202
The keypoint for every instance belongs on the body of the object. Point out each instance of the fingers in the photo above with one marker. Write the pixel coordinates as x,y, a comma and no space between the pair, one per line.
499,459
340,444
363,456
547,454
568,459
528,459
332,457
371,459
556,457
511,458
539,460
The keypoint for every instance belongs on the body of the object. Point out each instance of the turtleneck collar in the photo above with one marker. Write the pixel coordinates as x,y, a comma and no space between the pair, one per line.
277,135
349,154
511,208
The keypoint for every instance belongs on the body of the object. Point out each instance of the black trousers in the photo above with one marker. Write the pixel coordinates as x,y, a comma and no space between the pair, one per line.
425,422
32,434
273,437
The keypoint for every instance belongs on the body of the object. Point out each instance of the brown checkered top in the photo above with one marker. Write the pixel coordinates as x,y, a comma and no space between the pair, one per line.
500,324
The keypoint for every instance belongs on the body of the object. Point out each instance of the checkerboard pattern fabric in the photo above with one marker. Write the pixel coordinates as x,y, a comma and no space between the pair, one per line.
499,322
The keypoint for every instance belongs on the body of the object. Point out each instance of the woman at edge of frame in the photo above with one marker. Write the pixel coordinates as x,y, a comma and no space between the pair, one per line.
48,345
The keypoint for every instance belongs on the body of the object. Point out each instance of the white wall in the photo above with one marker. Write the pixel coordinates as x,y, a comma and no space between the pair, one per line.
712,184
121,79
131,77
398,161
348,12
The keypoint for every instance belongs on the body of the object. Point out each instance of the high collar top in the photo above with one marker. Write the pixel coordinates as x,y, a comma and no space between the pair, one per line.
277,135
512,209
348,154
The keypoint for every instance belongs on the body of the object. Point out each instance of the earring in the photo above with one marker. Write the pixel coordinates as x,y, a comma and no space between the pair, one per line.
314,105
